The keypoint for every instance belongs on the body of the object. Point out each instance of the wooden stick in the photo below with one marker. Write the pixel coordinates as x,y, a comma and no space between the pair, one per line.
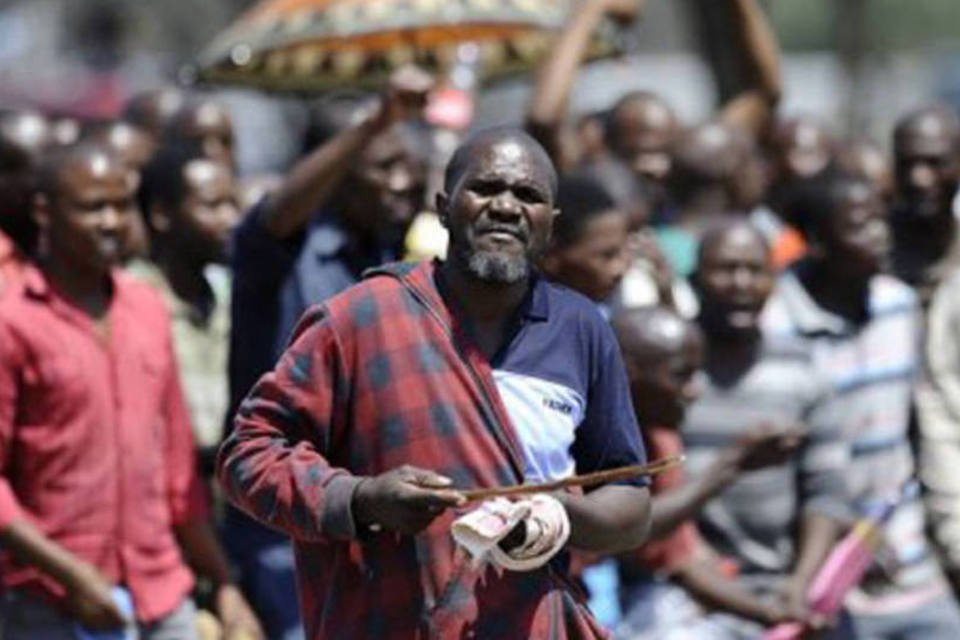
598,477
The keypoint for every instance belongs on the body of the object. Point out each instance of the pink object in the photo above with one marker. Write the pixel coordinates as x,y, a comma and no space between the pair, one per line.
843,568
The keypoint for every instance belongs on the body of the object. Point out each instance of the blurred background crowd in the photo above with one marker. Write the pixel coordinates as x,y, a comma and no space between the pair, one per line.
759,195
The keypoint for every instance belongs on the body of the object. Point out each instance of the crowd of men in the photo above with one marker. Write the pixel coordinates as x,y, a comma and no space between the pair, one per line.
229,410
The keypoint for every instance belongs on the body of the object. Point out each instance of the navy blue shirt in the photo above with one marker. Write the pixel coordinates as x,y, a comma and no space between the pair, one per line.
275,281
563,383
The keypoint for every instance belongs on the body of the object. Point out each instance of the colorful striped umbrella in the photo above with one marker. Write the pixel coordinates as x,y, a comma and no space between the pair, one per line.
314,45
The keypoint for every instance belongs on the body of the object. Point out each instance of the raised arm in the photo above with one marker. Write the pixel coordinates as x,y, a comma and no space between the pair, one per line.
547,111
315,178
752,109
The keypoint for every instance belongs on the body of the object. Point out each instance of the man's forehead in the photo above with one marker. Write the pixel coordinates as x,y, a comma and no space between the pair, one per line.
735,239
94,169
509,156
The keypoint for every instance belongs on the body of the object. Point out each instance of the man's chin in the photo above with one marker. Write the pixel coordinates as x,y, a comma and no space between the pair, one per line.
498,268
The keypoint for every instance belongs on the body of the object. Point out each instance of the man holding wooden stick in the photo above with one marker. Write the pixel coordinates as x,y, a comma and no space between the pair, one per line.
428,379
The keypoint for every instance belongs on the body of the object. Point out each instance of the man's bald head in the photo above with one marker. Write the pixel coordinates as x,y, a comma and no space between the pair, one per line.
153,110
643,109
926,147
802,148
662,353
28,130
641,129
470,151
650,335
730,229
94,155
932,125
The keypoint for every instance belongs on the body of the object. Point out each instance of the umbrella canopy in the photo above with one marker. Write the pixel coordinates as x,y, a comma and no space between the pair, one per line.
313,45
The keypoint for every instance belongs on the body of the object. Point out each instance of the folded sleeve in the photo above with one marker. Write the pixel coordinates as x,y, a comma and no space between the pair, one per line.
824,458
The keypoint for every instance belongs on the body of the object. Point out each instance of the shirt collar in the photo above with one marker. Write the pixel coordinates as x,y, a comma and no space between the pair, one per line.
539,299
809,317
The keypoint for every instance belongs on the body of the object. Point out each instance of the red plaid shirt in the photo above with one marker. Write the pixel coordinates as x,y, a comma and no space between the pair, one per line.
378,377
95,443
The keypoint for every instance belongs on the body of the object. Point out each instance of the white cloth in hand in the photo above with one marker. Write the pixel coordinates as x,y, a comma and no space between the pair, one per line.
547,528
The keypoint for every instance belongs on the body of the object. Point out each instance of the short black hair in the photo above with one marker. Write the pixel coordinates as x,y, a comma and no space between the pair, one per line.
580,199
463,156
162,181
810,203
53,161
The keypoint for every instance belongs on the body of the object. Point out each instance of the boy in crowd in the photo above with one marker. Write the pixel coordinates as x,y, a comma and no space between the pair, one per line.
588,251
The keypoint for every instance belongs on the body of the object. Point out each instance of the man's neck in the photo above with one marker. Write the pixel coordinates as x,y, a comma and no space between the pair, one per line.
488,308
729,355
186,278
88,290
845,295
932,236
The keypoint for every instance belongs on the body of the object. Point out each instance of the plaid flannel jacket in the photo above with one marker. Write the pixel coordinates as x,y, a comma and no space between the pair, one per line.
377,377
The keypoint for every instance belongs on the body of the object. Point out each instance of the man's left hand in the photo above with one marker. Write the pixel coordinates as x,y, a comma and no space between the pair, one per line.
238,620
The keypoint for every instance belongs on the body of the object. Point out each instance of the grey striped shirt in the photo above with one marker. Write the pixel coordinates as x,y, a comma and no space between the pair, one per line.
872,368
755,520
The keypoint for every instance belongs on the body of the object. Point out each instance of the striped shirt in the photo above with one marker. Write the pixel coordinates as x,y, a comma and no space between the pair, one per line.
754,520
871,367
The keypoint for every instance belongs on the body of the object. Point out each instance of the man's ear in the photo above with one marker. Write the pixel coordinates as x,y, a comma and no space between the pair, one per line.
160,220
442,202
40,211
550,262
815,246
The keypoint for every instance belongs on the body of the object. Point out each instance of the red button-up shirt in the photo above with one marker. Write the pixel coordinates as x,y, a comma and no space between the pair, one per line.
95,442
11,263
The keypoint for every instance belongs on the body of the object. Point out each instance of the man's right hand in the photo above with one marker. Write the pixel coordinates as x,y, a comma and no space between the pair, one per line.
767,446
90,600
405,500
406,95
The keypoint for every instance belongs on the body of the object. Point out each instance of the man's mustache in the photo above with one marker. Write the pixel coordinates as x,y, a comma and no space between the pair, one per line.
519,232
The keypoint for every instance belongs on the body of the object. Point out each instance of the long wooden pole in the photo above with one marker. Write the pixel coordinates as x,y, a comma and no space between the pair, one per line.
598,477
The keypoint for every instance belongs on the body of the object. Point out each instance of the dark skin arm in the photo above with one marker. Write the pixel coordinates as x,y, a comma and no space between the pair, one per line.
708,586
752,109
547,111
206,558
817,536
762,446
611,519
315,178
89,599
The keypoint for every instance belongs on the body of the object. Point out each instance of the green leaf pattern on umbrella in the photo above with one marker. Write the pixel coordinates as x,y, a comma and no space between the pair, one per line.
329,43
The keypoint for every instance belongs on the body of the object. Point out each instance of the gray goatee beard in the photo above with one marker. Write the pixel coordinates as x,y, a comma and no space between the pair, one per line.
496,268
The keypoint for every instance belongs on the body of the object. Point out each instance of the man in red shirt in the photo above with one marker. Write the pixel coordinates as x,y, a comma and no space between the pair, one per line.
98,489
